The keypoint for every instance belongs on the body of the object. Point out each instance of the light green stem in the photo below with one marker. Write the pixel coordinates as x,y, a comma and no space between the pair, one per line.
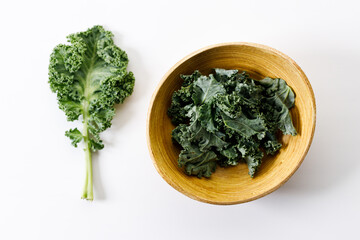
88,187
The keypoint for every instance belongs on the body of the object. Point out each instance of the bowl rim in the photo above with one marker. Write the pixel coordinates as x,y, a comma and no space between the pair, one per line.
249,44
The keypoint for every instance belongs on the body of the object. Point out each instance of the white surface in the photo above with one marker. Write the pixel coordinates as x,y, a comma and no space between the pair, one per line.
41,174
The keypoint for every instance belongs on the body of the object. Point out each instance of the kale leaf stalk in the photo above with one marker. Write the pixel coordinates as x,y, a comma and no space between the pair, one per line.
88,187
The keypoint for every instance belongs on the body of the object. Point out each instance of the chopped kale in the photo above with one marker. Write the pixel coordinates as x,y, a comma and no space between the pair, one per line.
227,118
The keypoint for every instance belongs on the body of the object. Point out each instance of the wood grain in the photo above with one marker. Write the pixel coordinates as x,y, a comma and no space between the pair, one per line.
232,185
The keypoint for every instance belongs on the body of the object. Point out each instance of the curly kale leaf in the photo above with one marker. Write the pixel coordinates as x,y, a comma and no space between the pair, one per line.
281,98
197,162
195,133
179,100
228,118
75,136
189,79
253,162
229,156
207,140
206,116
89,77
246,127
206,89
271,144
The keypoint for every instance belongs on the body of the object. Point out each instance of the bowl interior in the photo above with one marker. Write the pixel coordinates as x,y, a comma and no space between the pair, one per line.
233,185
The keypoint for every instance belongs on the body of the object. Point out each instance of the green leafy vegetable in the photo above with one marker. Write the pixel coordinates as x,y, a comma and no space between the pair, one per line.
89,77
205,89
197,162
227,118
280,96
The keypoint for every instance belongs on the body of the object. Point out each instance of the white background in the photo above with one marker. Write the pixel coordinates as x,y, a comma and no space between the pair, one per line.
41,174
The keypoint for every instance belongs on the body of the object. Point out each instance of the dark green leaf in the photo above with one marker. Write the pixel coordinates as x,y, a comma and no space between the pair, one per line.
197,162
189,79
254,162
231,156
205,89
207,140
280,95
244,126
271,144
206,117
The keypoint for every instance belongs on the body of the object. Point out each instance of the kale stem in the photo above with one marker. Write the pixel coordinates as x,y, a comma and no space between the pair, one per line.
88,187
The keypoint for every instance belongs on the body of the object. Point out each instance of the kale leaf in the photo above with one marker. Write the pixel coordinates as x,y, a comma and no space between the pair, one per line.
227,118
89,77
197,162
281,98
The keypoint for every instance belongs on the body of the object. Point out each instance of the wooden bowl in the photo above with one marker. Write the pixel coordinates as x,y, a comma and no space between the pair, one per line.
232,185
